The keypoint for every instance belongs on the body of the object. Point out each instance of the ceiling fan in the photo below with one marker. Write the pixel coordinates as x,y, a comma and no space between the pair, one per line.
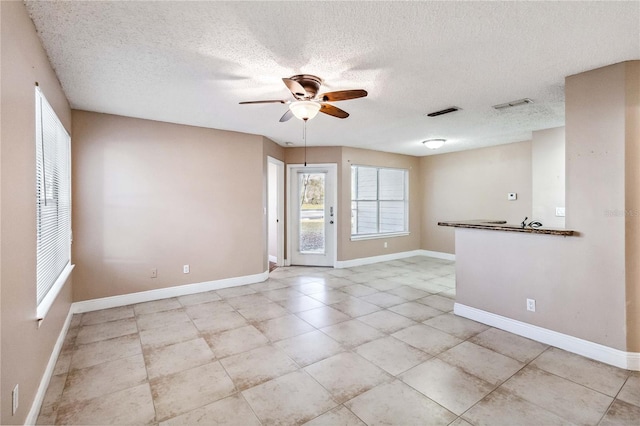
307,102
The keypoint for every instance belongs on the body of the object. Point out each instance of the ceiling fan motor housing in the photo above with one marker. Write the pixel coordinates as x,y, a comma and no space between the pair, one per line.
311,85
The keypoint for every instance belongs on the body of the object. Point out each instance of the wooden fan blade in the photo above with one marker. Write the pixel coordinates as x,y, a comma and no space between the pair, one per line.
331,110
287,116
343,95
296,88
264,102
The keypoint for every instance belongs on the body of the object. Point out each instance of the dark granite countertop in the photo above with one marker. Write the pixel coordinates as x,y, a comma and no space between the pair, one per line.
502,225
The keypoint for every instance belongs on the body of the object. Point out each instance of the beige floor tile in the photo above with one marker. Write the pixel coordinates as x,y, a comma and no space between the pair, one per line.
382,284
106,330
300,304
383,299
157,306
105,350
241,290
592,374
460,422
441,303
355,307
248,300
128,406
207,309
311,287
484,363
323,316
257,366
289,400
63,363
447,385
310,347
621,414
105,378
230,411
266,311
48,419
346,375
198,298
511,345
283,327
451,294
282,294
169,335
339,416
358,290
53,394
503,408
416,311
562,397
331,296
189,389
106,315
457,326
174,358
270,284
431,287
386,321
161,319
631,390
427,339
392,355
236,341
352,333
397,404
408,292
360,277
337,282
220,321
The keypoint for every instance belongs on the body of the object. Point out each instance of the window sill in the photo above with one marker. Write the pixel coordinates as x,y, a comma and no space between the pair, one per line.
43,308
378,236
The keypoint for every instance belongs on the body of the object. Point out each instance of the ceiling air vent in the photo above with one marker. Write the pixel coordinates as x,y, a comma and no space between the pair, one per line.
443,111
514,103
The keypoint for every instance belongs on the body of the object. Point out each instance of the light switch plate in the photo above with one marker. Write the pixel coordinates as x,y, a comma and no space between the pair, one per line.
559,211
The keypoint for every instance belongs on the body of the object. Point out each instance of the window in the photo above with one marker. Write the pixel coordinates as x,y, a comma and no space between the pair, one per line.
379,201
53,205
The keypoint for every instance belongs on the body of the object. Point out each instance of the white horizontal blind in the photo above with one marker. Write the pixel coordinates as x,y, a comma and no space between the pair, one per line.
379,200
53,197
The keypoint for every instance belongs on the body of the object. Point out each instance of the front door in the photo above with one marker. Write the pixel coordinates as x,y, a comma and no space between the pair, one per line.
313,214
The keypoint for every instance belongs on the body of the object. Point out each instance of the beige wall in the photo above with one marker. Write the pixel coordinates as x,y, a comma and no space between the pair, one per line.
473,185
585,286
25,349
157,195
348,249
547,170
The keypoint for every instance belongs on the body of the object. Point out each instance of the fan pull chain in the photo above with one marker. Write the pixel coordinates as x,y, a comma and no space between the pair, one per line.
304,138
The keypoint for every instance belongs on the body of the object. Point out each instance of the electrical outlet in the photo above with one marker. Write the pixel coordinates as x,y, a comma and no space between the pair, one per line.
512,196
154,273
531,305
385,244
559,211
185,269
14,400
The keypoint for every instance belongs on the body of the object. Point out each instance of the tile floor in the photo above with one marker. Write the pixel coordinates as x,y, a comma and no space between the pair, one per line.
374,344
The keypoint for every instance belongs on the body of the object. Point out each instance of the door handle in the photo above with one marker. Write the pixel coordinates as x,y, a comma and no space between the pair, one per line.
331,222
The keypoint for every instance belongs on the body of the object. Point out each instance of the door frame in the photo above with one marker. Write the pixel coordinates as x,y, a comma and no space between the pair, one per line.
333,168
280,188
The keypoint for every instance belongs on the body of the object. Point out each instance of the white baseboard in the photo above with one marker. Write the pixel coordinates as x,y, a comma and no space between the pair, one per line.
273,258
392,256
165,293
375,259
32,417
596,351
438,255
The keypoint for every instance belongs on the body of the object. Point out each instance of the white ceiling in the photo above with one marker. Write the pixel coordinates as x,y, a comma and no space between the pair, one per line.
192,62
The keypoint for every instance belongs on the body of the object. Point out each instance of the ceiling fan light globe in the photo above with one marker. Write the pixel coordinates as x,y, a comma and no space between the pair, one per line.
304,110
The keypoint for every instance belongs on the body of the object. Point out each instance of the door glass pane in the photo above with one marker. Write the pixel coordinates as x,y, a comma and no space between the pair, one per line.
311,231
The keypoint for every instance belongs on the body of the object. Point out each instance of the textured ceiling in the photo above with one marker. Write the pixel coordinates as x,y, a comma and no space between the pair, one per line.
192,62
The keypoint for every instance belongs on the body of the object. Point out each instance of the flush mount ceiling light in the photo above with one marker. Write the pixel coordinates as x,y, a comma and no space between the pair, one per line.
434,143
304,110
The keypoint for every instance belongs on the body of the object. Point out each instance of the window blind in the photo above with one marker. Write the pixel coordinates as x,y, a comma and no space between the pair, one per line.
53,197
378,200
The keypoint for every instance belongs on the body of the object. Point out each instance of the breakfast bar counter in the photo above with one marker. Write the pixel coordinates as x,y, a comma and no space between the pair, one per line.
502,225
